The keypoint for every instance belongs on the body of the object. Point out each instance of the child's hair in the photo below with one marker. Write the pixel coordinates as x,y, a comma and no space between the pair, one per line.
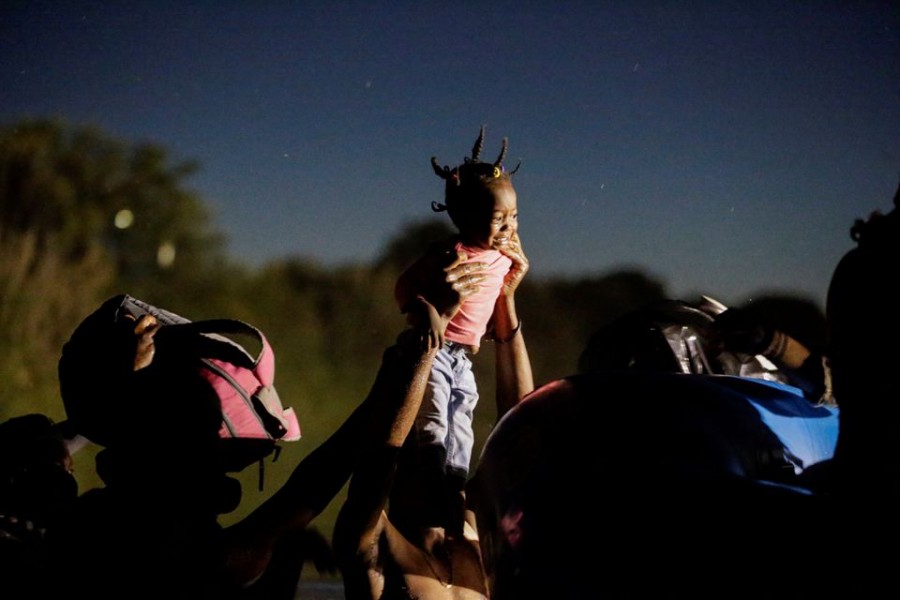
467,180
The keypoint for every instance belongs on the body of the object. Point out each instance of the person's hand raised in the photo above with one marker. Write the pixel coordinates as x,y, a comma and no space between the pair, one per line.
513,250
145,347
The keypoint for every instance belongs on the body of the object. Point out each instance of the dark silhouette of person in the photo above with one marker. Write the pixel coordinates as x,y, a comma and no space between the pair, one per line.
634,482
863,354
37,489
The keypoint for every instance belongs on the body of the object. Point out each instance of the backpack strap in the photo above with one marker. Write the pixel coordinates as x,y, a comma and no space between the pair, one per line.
199,332
254,411
130,305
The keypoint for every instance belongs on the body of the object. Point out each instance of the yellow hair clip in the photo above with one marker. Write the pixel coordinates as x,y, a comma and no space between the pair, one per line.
496,172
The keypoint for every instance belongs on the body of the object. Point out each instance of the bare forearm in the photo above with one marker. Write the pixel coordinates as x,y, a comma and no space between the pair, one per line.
383,418
360,520
404,415
514,376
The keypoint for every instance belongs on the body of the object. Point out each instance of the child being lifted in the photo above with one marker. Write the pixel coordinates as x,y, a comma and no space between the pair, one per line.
480,199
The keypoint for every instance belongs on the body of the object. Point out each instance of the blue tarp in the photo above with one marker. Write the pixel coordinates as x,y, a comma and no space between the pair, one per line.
807,431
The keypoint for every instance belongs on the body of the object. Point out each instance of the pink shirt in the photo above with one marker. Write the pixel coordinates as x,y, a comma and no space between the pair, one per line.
470,323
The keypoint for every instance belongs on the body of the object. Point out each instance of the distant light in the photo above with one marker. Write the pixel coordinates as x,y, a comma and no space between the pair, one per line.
165,255
124,219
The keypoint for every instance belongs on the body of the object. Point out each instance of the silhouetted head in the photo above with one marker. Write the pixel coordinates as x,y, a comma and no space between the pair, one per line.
171,445
861,298
879,231
36,480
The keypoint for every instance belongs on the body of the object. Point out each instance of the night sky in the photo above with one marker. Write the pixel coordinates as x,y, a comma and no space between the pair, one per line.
722,147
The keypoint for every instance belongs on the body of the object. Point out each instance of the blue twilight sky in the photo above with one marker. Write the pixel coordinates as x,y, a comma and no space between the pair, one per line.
722,146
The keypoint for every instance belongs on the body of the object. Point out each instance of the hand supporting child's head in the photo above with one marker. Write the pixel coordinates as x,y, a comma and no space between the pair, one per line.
513,250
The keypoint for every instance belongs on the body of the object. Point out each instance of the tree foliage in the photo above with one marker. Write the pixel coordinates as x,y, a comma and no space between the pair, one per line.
83,215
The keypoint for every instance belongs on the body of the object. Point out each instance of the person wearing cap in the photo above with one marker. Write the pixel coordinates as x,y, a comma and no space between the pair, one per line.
152,530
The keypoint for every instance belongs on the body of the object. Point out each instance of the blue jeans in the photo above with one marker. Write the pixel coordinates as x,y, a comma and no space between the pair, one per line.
445,417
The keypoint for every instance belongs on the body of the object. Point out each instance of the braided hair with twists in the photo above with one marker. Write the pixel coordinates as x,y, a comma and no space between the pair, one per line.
467,182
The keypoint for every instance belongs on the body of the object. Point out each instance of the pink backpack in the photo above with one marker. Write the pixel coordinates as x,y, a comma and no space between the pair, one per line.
242,379
243,382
